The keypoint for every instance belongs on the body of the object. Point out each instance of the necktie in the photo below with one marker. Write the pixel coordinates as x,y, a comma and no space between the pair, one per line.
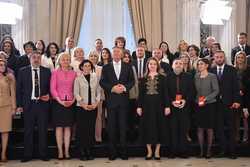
140,68
220,73
36,84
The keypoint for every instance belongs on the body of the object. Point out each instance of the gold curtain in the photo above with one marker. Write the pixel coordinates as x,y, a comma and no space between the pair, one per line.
65,20
147,20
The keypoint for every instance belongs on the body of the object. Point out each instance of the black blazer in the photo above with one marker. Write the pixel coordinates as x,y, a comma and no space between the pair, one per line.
24,85
186,87
135,64
229,85
12,63
166,67
22,61
237,49
108,80
148,54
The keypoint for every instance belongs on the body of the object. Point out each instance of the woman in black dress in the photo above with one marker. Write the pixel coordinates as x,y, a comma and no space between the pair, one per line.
207,89
153,107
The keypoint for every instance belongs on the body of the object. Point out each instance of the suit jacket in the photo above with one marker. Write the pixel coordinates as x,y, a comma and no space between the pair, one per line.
229,85
12,63
109,79
22,61
135,64
24,85
186,87
237,49
148,54
166,67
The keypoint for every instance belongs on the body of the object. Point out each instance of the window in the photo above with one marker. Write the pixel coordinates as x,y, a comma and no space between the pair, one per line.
106,19
5,29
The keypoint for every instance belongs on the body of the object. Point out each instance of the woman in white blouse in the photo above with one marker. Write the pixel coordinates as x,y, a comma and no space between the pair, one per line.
87,93
49,59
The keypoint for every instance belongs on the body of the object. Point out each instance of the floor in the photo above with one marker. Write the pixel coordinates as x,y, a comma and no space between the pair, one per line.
135,162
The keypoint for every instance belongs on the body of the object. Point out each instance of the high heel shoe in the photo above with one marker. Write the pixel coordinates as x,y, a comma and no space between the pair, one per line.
149,157
157,158
208,156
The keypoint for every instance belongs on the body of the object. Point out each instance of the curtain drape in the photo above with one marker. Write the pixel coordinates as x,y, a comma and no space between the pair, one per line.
50,20
147,20
248,19
65,19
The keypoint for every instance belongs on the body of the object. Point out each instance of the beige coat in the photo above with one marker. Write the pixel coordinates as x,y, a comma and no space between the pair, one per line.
7,102
81,89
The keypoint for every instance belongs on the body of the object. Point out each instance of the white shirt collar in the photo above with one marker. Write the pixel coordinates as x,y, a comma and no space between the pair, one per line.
117,63
222,67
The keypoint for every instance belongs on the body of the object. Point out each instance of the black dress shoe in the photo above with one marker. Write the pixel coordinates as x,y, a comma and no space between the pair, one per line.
220,155
89,154
184,156
232,156
157,158
26,160
83,158
112,157
172,156
44,158
124,157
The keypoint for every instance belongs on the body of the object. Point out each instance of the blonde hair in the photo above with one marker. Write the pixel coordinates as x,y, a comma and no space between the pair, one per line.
62,55
3,55
179,45
245,60
95,53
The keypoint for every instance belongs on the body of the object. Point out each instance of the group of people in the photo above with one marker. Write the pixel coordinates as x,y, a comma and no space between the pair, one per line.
158,94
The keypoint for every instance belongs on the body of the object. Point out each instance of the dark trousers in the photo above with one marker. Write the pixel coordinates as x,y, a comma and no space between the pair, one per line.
85,128
179,125
225,117
36,113
117,127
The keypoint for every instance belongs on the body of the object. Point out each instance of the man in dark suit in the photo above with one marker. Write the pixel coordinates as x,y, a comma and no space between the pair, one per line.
242,46
140,62
33,87
117,79
24,60
228,102
181,93
157,53
142,42
206,50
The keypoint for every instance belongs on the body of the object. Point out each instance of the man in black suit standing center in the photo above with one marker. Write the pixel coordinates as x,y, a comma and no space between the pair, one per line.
228,102
117,79
33,86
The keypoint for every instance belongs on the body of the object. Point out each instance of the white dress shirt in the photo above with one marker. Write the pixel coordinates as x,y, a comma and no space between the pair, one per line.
117,68
142,66
220,67
33,82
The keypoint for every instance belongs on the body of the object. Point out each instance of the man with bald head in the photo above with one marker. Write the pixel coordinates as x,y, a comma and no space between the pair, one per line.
157,53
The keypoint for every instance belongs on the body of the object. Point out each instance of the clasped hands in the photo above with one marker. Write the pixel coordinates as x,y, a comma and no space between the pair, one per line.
89,107
167,111
180,104
119,89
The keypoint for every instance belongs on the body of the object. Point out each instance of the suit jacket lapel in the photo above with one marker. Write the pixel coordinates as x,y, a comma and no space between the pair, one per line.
113,70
